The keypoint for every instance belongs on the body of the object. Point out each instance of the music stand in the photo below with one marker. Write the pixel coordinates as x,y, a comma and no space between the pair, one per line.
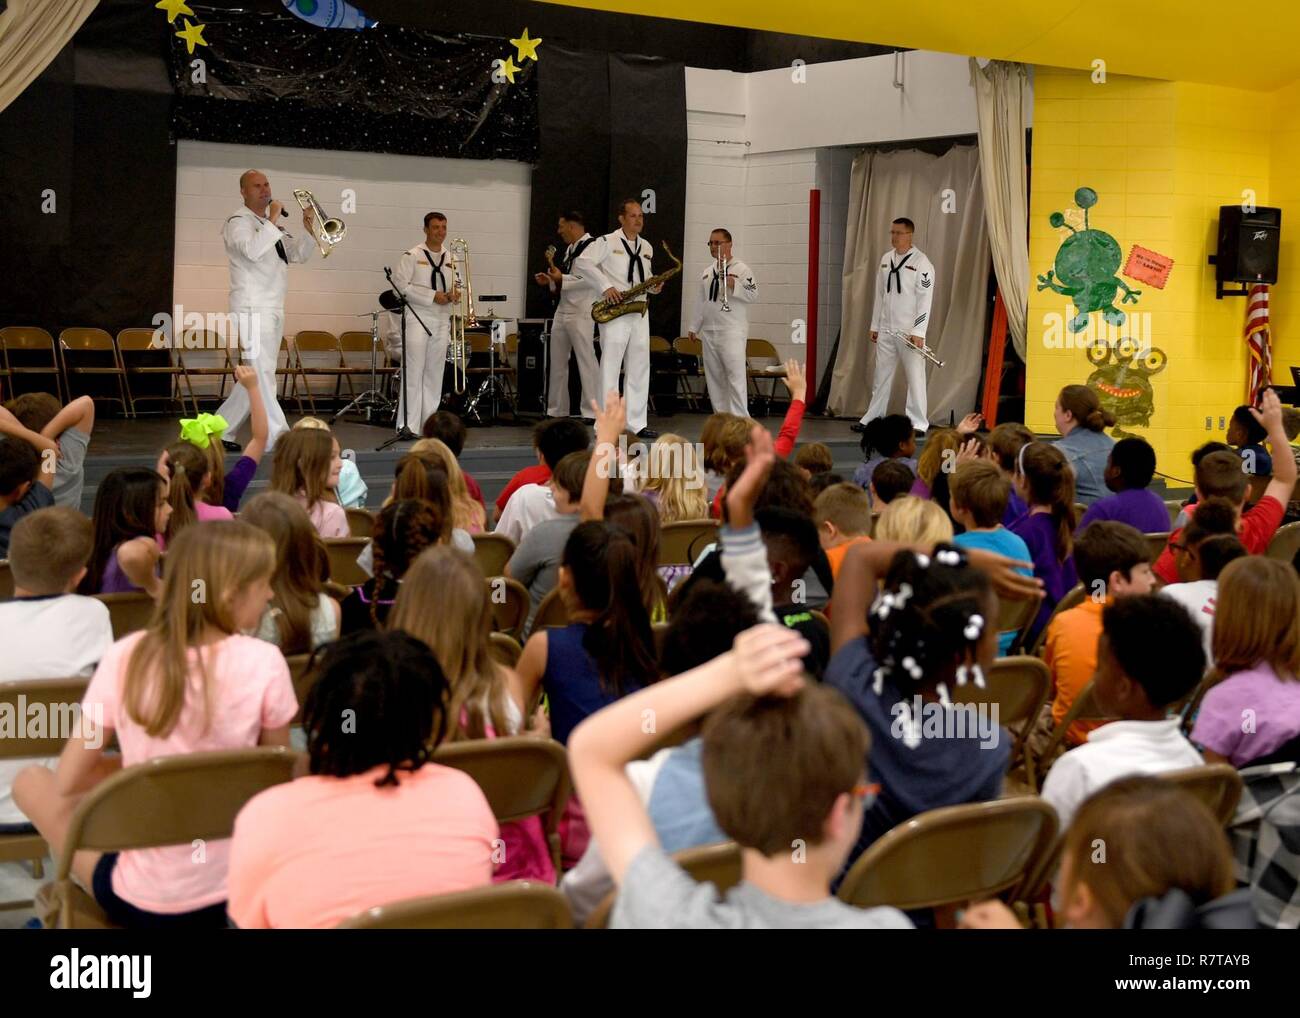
396,301
491,387
373,400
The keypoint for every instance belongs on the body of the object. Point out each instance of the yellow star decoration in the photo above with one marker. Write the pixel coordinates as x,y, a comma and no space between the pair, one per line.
193,36
174,9
527,47
509,69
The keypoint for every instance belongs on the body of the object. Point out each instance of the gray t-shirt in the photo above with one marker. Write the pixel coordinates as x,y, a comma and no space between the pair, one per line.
658,894
70,471
536,562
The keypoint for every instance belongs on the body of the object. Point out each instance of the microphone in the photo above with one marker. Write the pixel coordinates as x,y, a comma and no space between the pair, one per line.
283,213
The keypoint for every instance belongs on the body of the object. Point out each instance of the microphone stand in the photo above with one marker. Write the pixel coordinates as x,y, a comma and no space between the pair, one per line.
404,433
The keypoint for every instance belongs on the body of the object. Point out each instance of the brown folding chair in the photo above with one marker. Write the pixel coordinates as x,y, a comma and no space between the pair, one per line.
948,857
690,353
1218,785
506,648
31,345
492,552
152,360
303,673
317,354
772,369
510,604
171,800
361,523
1285,543
57,698
92,352
1018,686
128,612
1084,708
1017,616
203,353
719,865
289,371
6,580
520,775
551,612
343,552
515,905
1072,599
676,540
1155,545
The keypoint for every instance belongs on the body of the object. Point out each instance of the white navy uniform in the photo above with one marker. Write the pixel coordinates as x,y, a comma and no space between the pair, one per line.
904,292
573,329
619,261
260,252
724,335
420,273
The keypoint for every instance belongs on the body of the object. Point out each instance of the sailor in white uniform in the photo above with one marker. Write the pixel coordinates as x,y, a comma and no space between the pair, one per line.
616,262
899,318
427,276
260,250
572,327
721,323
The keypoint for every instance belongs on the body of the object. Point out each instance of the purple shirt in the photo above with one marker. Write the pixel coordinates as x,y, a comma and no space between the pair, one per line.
1273,718
921,490
1016,508
1140,508
238,478
114,580
1039,534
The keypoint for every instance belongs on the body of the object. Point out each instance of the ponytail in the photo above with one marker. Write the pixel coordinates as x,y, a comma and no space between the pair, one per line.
1050,482
186,467
1084,405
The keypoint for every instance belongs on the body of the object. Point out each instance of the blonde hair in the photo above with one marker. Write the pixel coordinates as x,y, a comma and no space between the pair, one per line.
466,512
845,505
225,556
677,475
444,602
1257,617
913,520
939,441
311,424
710,438
301,463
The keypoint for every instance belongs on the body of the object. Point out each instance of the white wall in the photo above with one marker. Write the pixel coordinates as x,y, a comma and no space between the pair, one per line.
485,201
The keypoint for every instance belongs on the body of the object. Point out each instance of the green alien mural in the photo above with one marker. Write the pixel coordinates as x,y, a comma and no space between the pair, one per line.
1123,380
1086,265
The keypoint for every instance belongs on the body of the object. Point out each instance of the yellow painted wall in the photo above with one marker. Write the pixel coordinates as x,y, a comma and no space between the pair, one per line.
1284,301
1162,157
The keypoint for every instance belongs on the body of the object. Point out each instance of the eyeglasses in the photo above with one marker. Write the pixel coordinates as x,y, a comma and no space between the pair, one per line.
866,792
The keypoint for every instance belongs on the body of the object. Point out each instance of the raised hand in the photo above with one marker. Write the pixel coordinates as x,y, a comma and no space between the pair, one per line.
769,658
246,376
794,380
612,420
970,424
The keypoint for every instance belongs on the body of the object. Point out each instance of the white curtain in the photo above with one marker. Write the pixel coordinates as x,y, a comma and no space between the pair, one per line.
943,196
1001,94
32,32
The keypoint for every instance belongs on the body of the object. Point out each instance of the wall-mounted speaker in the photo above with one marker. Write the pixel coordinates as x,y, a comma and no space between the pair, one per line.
1248,244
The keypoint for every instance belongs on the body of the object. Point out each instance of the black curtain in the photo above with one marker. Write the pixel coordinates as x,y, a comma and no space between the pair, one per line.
611,127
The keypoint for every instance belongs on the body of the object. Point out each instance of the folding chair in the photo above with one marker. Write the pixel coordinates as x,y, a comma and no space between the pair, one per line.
1217,785
128,612
773,369
6,580
690,357
303,673
170,800
1285,543
30,344
1072,599
515,905
361,522
510,603
1018,686
1084,708
56,698
154,360
521,776
551,612
1174,507
317,354
343,552
492,552
668,355
356,342
719,865
202,353
506,648
677,540
947,857
1017,616
96,347
1155,545
288,371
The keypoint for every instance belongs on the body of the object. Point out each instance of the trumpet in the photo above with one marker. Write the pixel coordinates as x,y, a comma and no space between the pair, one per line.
722,279
923,350
462,317
327,231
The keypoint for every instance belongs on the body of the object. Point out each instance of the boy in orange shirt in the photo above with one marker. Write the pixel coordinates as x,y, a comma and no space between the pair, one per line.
843,516
1112,561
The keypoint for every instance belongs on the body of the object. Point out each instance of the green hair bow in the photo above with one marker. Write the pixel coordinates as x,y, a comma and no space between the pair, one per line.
196,430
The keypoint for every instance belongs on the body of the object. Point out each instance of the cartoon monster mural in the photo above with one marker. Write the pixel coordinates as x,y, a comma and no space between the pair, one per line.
1122,379
1086,265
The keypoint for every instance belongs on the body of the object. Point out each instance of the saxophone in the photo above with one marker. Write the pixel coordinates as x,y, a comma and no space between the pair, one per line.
606,310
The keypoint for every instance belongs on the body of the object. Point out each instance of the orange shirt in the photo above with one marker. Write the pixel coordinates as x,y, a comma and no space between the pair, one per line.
1071,654
835,556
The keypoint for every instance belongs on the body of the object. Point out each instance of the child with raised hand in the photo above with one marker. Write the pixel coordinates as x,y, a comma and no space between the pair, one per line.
205,432
1129,469
375,820
1252,709
1167,865
1046,483
131,508
190,682
306,467
759,711
26,480
301,616
69,427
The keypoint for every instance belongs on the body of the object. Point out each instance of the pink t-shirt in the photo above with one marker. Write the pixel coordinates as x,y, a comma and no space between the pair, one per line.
250,690
206,512
329,518
311,853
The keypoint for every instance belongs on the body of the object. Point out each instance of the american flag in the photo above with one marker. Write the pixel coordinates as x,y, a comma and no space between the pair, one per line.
1259,345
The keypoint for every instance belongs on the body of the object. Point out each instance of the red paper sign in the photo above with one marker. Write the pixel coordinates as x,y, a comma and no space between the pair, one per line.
1148,267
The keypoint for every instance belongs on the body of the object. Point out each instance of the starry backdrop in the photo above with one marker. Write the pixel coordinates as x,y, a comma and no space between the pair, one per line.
275,80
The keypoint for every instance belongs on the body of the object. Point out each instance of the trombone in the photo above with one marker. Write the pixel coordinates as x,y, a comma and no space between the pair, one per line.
462,317
327,231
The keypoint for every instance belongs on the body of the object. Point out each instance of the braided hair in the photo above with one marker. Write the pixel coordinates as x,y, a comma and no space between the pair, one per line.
403,530
927,624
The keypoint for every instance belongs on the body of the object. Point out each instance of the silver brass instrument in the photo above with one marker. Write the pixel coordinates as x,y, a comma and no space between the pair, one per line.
924,350
327,231
462,317
722,277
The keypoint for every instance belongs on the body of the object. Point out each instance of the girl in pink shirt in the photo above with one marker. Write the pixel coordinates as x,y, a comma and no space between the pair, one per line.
190,473
375,822
306,465
188,683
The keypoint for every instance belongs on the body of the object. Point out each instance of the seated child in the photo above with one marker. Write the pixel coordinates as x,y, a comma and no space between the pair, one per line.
1252,708
886,438
449,429
818,483
25,486
910,519
1246,435
351,490
1129,470
1046,483
131,510
403,529
69,426
843,517
306,466
1139,677
814,458
536,561
375,821
1005,442
1207,544
890,480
